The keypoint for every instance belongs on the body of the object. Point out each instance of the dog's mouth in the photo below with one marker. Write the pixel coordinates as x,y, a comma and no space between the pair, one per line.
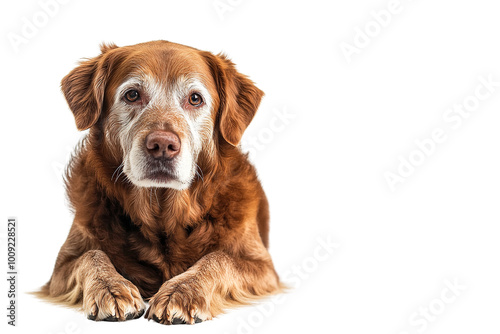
162,173
160,176
166,173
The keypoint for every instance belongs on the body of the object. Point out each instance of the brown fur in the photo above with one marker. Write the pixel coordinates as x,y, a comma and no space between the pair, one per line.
191,252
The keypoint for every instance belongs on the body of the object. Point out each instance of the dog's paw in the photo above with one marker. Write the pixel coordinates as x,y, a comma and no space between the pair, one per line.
179,302
112,299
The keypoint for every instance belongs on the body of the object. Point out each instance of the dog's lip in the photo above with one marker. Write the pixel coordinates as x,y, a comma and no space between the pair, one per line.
160,175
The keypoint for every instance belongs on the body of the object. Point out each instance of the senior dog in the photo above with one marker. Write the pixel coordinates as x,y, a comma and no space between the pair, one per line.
167,208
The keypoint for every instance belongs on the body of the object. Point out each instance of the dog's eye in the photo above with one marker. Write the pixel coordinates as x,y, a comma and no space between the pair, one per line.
195,100
132,96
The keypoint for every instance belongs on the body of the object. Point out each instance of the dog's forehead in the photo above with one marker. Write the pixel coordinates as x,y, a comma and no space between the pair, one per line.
164,62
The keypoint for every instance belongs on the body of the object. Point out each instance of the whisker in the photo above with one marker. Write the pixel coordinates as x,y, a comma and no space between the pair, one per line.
156,195
198,173
116,170
121,175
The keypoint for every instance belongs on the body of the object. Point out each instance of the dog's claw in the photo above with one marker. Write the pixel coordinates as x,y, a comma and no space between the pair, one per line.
131,316
178,321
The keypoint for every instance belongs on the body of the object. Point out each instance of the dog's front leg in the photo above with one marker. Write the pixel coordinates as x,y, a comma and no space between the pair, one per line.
216,281
93,280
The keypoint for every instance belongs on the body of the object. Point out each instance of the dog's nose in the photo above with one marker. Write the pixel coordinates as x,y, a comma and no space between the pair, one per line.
163,144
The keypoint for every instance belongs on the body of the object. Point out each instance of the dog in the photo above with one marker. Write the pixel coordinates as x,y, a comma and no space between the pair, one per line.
166,206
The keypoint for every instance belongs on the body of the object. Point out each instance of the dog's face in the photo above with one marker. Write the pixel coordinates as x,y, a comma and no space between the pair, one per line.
159,106
162,115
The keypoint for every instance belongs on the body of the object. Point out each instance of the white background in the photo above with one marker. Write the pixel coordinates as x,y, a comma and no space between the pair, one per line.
323,169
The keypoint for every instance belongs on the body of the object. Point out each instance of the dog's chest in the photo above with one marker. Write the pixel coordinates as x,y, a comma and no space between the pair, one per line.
148,255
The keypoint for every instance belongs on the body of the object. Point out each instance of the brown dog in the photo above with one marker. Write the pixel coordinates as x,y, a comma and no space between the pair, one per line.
166,205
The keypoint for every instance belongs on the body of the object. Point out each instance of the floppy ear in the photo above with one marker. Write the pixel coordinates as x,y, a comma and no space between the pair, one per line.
239,98
84,88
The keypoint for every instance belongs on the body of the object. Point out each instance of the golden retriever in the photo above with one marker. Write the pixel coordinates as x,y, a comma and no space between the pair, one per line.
167,207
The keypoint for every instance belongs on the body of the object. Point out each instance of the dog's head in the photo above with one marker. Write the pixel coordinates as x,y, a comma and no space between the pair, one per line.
159,105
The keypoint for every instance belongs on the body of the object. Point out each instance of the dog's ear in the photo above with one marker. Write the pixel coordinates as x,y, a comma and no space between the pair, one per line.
84,87
239,97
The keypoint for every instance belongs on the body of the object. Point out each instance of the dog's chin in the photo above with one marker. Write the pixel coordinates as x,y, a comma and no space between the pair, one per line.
160,179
